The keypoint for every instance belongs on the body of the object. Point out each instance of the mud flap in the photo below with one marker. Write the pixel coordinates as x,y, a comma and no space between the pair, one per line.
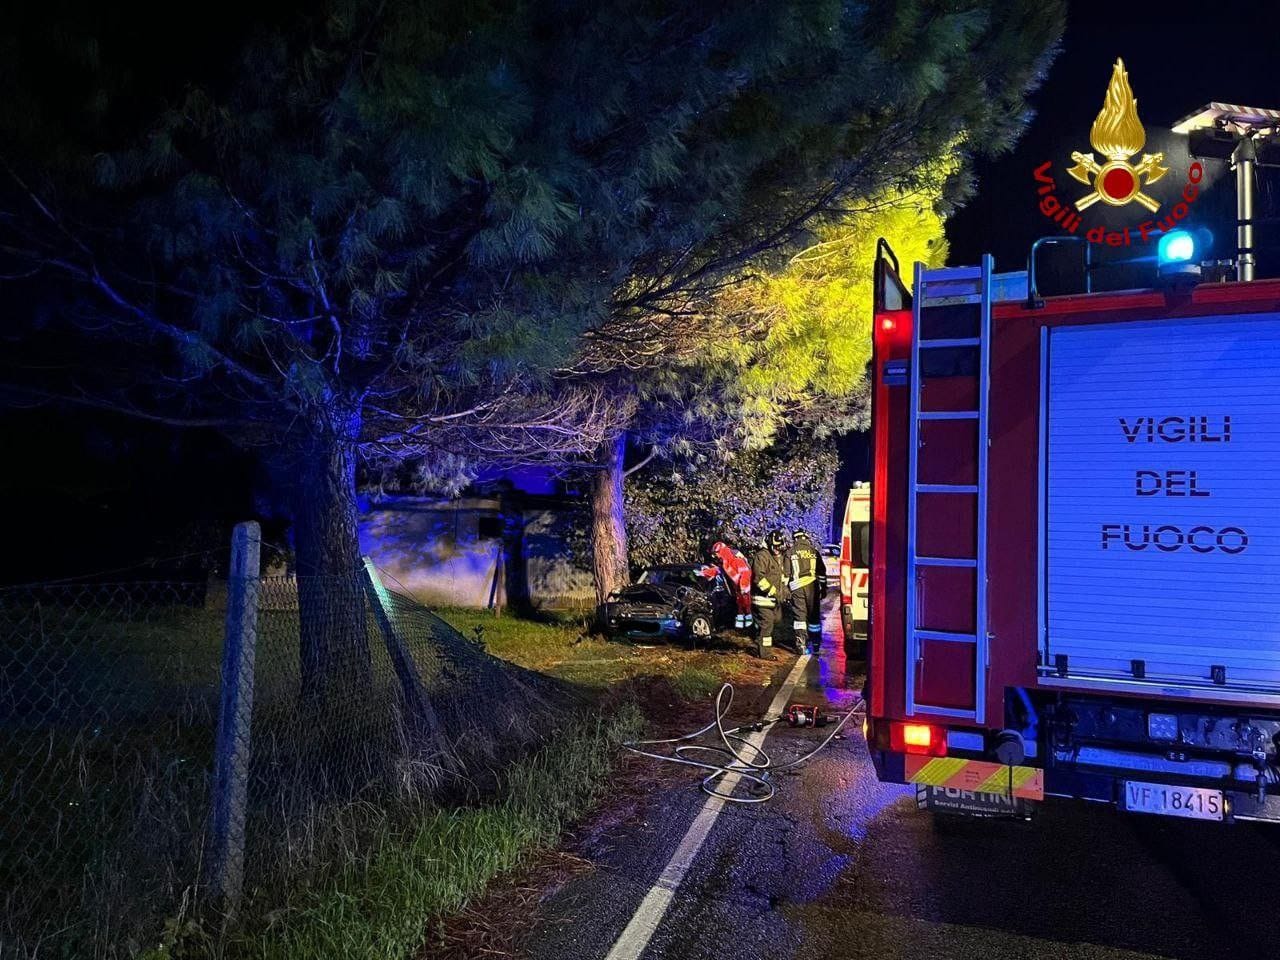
956,802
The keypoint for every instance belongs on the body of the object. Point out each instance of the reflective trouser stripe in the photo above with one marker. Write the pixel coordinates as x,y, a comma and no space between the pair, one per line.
815,628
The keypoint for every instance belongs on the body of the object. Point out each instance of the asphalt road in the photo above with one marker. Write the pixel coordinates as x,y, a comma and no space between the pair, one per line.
838,865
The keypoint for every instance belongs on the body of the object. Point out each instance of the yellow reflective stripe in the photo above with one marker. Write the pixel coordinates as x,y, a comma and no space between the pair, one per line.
998,782
764,582
938,771
802,582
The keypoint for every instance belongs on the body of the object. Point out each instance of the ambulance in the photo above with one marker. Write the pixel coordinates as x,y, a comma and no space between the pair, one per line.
855,543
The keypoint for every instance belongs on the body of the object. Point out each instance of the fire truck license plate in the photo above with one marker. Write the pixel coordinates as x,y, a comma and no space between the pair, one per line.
1195,803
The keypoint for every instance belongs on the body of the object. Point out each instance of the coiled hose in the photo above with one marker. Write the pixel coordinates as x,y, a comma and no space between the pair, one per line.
734,767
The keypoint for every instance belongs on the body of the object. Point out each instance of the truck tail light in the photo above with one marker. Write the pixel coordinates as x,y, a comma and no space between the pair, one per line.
892,326
846,582
919,738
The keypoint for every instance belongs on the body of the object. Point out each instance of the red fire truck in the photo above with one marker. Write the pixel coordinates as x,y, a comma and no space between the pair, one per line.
1075,551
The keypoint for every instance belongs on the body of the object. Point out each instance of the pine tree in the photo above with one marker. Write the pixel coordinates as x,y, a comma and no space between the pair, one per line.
808,368
772,355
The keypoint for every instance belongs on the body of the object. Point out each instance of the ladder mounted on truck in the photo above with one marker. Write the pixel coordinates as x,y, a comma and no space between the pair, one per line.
946,609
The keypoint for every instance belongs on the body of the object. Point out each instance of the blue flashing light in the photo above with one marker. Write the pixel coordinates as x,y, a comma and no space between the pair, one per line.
1176,246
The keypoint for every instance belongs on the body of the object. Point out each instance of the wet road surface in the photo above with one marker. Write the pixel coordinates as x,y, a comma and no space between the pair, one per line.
838,865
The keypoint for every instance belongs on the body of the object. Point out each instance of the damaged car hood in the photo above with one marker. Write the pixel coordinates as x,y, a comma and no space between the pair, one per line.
651,593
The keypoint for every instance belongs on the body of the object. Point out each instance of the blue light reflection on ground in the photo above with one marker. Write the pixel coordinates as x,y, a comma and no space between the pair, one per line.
840,689
863,798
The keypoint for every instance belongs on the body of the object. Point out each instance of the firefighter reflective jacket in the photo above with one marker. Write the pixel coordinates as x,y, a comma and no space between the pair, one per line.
768,579
805,566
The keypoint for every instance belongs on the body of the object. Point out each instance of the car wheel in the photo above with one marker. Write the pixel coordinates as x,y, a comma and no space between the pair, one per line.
699,627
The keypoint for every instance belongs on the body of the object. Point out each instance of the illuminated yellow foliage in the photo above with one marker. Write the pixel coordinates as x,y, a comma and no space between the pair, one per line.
809,360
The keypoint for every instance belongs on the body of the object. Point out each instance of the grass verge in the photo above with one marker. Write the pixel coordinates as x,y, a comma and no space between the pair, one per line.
382,902
563,648
695,683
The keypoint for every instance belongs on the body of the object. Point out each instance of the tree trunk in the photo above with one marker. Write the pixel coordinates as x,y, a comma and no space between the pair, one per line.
515,565
334,647
608,525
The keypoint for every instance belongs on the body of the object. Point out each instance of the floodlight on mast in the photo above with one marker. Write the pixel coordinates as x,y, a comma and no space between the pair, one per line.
1246,137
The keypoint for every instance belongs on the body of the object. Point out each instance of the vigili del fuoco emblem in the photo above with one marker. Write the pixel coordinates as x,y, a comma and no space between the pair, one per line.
1118,135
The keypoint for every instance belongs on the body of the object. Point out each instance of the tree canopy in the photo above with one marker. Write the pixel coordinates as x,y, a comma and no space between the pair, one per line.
775,355
796,378
676,508
808,369
391,229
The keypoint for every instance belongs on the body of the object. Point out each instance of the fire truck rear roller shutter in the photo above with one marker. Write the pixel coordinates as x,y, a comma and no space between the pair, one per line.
1143,477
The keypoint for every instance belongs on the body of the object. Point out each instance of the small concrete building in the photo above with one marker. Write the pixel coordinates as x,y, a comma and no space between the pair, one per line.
499,548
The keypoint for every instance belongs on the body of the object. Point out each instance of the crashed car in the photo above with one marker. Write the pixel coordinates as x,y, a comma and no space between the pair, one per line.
683,601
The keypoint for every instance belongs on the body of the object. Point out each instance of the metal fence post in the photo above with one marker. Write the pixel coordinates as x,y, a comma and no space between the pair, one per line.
235,711
421,713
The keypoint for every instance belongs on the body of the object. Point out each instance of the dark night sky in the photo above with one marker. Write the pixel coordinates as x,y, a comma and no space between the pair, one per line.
1179,56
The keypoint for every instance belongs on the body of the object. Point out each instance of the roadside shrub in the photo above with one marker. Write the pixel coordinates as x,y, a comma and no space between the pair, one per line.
674,506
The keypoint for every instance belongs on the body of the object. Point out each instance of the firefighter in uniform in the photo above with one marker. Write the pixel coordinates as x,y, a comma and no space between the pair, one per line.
768,590
737,569
807,586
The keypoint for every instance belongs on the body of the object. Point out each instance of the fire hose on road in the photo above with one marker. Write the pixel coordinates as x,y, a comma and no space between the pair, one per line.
736,757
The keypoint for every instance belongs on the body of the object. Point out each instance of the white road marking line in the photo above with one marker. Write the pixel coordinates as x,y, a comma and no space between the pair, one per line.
635,937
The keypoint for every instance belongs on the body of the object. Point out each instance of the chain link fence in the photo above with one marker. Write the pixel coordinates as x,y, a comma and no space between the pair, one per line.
160,758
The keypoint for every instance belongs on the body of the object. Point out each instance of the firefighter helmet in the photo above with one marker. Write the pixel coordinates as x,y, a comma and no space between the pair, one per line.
775,540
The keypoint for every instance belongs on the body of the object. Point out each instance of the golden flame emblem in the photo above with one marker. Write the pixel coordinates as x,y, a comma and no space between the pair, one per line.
1117,134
